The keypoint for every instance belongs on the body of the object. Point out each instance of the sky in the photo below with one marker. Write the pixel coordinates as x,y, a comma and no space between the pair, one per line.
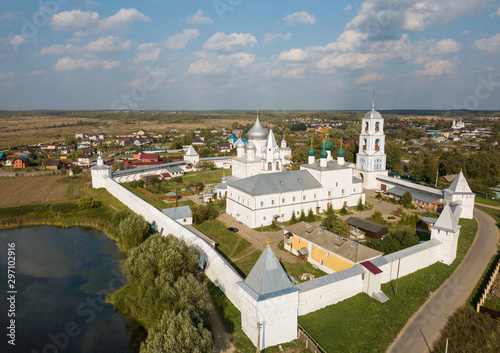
242,54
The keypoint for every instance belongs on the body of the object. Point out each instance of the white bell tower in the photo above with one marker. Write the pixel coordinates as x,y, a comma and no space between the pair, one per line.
371,158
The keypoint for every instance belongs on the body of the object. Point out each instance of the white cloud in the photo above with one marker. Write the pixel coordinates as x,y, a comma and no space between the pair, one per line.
438,68
147,52
372,77
199,18
180,40
37,73
18,39
122,18
299,17
496,13
87,22
231,42
347,8
293,55
211,64
71,64
56,49
491,45
465,32
6,74
445,46
352,60
388,17
271,37
109,44
74,20
10,15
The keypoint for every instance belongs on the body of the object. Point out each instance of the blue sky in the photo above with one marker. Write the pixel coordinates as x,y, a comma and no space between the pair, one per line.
242,54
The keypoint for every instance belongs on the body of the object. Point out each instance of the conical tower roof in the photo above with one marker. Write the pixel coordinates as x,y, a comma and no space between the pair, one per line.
267,275
257,132
447,220
191,151
271,141
460,185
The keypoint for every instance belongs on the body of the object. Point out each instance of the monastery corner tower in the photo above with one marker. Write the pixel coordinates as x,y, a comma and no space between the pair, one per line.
370,160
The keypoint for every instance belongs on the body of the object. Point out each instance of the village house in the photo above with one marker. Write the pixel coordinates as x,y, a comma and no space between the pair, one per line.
224,147
181,214
53,165
327,250
21,163
143,157
85,160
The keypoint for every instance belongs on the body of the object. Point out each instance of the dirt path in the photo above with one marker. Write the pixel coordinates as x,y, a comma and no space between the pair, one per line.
222,339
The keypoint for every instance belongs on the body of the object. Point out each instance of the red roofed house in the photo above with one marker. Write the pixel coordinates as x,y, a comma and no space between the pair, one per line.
142,157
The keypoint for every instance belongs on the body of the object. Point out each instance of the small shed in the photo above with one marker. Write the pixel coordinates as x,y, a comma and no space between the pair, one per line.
372,230
171,196
180,214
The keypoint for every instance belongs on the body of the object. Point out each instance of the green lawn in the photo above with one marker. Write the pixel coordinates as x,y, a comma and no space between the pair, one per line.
492,212
361,324
495,202
207,176
179,204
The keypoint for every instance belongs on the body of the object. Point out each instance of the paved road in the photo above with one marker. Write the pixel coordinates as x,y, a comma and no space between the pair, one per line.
425,326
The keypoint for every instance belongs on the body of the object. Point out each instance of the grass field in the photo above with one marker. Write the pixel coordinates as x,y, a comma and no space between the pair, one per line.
22,190
480,200
207,176
361,324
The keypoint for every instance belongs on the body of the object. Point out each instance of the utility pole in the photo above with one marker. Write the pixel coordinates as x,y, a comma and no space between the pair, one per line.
397,278
259,325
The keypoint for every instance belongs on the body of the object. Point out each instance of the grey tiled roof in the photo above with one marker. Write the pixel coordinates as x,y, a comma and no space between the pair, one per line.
267,275
420,196
177,212
273,183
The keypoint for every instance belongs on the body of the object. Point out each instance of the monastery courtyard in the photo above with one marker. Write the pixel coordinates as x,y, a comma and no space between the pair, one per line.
259,239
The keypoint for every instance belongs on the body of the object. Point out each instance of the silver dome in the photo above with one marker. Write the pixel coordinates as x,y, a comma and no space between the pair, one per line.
240,143
257,132
373,114
250,146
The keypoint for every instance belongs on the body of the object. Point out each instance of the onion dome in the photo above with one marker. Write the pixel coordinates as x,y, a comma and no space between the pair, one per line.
311,152
257,132
240,144
250,146
323,154
341,152
328,145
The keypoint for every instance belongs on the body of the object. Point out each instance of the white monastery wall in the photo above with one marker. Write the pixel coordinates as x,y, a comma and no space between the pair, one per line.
220,272
329,289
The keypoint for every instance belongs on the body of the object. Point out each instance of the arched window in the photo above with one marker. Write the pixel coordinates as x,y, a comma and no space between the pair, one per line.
277,166
269,166
364,144
377,126
377,145
366,126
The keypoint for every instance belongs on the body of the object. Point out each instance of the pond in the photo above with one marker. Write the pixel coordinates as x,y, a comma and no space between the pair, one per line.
62,276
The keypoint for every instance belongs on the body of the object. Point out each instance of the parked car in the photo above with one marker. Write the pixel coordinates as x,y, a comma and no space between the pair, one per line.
233,229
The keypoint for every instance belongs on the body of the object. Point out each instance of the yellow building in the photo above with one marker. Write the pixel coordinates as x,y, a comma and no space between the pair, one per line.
329,251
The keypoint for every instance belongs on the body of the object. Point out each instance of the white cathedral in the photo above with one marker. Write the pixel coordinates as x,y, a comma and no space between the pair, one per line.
260,191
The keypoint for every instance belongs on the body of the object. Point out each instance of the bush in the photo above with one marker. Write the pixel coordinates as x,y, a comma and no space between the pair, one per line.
87,203
343,211
377,216
406,199
360,206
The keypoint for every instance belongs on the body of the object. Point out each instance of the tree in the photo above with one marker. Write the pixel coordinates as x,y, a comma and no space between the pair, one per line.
302,217
406,199
336,225
202,213
393,153
310,216
377,216
133,230
343,211
293,219
179,333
